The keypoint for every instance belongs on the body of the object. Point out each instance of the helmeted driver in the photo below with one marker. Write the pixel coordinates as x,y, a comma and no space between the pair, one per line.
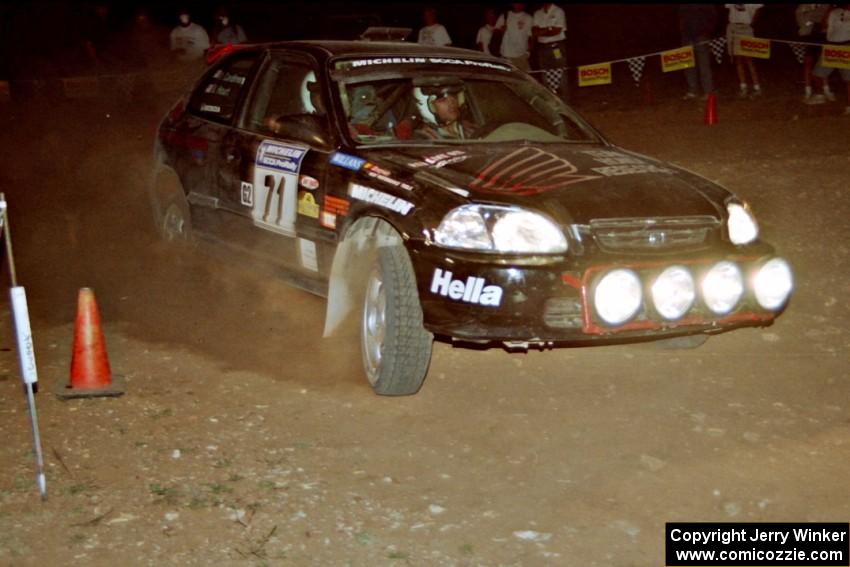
440,103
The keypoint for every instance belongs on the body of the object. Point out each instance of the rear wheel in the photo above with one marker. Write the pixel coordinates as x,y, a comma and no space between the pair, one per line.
395,347
175,225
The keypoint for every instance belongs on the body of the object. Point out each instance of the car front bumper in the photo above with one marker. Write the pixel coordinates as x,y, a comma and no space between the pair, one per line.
478,297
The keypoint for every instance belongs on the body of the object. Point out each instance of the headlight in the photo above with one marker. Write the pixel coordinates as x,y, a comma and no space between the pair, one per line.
673,292
722,287
743,228
618,296
773,284
494,228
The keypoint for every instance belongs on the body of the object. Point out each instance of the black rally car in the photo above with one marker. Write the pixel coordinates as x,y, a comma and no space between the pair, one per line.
505,218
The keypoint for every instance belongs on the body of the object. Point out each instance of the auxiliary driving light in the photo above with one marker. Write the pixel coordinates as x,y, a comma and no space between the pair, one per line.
618,296
773,284
673,292
722,287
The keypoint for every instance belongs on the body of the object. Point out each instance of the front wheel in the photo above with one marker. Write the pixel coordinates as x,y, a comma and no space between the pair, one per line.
394,344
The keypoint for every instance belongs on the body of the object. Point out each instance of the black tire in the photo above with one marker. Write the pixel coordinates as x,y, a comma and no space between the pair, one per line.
395,347
682,343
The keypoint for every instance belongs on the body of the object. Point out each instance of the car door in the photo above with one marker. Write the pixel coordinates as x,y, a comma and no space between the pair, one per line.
212,111
274,165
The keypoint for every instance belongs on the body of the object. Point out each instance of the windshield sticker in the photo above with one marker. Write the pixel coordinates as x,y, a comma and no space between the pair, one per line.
280,156
615,170
379,198
210,108
527,171
441,160
307,205
246,194
473,290
217,90
347,161
425,61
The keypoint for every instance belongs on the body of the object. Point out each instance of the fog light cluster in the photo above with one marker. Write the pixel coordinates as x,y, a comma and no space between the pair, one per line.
722,287
773,284
674,292
618,296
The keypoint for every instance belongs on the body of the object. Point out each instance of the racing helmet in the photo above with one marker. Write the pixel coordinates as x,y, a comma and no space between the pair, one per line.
426,91
309,91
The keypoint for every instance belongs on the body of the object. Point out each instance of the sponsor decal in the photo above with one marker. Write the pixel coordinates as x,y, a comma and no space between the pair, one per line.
421,61
307,205
835,56
280,157
307,252
677,59
441,160
336,205
309,183
607,157
246,194
752,47
379,198
473,290
217,90
527,171
348,162
593,75
615,170
371,167
210,108
327,220
235,79
391,181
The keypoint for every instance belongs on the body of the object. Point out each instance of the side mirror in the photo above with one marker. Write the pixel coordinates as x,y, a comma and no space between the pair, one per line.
307,128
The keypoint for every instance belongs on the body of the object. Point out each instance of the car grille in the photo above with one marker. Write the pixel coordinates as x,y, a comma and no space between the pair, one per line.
650,235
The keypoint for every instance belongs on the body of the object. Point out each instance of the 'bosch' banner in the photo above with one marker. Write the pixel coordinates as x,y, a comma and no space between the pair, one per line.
593,75
752,47
677,59
836,56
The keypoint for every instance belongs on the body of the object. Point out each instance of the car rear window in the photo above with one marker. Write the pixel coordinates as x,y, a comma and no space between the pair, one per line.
218,96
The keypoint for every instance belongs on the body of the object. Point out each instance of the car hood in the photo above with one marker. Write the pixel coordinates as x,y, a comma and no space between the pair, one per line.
575,183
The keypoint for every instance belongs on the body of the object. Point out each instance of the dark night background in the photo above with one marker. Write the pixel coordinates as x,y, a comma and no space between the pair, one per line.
47,38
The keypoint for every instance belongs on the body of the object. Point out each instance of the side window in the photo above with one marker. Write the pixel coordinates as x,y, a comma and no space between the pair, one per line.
288,91
218,95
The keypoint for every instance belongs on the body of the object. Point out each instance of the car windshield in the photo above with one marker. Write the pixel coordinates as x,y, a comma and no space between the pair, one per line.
447,107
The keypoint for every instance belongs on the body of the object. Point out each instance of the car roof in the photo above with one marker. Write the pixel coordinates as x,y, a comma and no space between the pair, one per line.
325,49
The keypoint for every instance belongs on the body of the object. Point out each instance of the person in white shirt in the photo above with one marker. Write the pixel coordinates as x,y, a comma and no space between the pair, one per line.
485,32
741,19
188,39
837,33
516,27
433,33
550,27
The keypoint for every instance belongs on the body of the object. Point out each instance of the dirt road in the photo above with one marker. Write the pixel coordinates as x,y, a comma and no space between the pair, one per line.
244,439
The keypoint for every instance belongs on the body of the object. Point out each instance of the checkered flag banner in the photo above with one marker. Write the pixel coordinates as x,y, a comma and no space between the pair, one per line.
717,46
636,67
799,51
552,79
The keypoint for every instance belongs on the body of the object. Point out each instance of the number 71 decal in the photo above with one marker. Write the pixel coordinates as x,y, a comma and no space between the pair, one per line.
275,179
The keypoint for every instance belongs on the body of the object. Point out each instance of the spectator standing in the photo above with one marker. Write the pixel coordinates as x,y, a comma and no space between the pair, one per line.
188,39
811,19
837,33
485,32
516,27
433,33
741,20
696,22
550,30
226,30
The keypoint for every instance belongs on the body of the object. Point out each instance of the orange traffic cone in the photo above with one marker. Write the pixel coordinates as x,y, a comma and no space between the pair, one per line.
90,373
711,110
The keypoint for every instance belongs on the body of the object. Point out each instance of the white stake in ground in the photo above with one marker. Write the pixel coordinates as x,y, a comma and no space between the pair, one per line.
26,352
